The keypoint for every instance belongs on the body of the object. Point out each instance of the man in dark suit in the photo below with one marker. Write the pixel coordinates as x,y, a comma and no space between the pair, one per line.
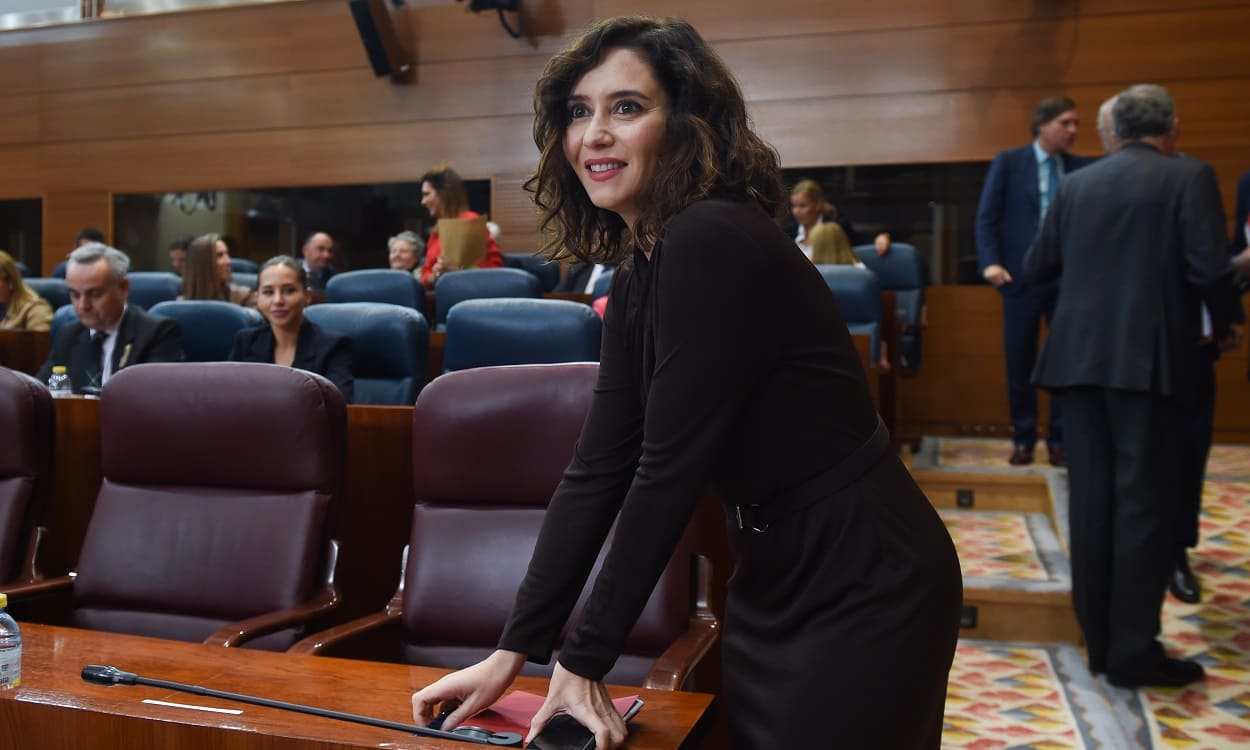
1137,245
318,252
1018,189
108,334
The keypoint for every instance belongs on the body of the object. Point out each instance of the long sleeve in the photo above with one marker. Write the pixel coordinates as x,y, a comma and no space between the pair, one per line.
990,214
338,367
1207,263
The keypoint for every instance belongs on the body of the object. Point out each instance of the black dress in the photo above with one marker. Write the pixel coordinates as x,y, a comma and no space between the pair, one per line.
725,360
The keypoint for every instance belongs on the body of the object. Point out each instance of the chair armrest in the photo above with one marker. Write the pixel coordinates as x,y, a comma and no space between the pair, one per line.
30,564
319,643
674,666
36,588
238,633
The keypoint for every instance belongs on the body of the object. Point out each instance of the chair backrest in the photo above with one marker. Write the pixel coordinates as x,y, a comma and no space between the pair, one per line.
63,315
489,447
481,283
603,284
27,418
546,271
858,294
376,285
58,271
54,290
23,269
390,348
485,332
218,482
902,270
243,265
242,278
208,326
150,288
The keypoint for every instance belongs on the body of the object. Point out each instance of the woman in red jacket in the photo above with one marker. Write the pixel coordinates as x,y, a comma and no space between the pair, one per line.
444,196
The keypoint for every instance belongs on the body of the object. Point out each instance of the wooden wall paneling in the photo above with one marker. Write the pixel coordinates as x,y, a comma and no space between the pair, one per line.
21,173
442,31
19,118
19,59
512,208
65,214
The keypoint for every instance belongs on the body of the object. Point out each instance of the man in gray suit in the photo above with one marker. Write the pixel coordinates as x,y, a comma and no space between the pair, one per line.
1137,243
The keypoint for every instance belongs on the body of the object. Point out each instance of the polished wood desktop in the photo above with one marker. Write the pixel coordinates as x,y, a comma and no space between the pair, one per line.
55,709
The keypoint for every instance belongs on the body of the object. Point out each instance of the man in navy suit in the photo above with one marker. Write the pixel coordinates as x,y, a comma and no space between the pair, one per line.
318,252
1018,190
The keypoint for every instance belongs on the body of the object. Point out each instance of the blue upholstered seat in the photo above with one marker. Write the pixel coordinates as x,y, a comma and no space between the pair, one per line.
58,271
390,348
858,294
482,283
902,271
243,265
23,269
64,314
376,285
150,288
208,327
487,332
53,290
547,272
249,280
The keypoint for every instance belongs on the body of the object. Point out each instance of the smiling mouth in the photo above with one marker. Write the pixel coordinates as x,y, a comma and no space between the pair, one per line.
604,170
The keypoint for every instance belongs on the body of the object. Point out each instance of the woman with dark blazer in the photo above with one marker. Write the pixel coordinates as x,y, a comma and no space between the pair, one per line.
289,339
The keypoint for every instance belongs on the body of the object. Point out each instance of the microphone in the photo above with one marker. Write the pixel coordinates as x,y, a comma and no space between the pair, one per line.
101,674
105,675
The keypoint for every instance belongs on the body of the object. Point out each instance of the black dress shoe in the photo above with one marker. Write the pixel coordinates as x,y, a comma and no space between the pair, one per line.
1057,456
1183,583
1168,673
1021,456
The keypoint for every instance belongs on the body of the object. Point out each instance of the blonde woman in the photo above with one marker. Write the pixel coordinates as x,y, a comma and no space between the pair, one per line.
22,308
831,247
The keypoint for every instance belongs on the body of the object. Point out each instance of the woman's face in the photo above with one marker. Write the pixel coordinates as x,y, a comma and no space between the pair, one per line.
403,256
281,298
431,200
805,210
618,115
221,260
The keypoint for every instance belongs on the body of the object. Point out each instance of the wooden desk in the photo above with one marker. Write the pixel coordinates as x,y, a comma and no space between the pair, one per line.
24,351
55,709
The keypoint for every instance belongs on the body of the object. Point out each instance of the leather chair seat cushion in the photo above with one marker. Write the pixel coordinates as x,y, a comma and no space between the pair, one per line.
499,435
230,554
483,333
238,424
14,499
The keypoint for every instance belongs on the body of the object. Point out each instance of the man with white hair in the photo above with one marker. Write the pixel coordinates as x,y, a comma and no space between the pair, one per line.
109,334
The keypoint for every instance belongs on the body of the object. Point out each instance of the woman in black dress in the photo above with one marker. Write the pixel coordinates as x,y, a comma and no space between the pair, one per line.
724,360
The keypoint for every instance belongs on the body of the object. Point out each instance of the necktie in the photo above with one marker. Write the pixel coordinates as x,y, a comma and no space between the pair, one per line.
1052,181
95,360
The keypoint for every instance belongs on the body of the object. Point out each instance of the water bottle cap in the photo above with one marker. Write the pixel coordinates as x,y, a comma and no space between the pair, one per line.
59,369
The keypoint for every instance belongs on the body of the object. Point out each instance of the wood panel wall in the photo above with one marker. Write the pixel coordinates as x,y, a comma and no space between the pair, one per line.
282,95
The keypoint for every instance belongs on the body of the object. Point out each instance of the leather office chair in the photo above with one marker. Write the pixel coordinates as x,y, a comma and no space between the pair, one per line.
208,326
902,271
481,283
547,272
53,290
858,294
376,285
23,269
390,348
58,271
486,332
28,421
211,523
242,278
489,447
149,288
243,265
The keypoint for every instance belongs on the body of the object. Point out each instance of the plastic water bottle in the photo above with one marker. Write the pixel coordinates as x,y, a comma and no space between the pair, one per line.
59,383
10,649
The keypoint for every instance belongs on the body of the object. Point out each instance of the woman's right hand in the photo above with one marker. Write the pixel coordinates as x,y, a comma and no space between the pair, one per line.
470,690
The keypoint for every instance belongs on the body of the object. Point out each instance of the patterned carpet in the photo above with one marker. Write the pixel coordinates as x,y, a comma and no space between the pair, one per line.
1031,696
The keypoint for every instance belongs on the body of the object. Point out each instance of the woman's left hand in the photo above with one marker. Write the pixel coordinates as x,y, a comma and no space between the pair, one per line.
586,701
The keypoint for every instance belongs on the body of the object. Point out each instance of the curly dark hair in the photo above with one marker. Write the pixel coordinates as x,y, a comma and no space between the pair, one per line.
709,148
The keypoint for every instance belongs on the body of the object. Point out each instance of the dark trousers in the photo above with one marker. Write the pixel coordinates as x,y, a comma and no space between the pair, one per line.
1199,422
1123,458
1023,310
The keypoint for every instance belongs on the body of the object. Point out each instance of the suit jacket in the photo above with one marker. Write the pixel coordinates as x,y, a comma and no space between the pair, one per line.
35,315
140,338
1137,243
1007,216
315,350
317,280
1242,211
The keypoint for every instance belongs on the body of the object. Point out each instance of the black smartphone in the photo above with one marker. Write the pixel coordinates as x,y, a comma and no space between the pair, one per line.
564,732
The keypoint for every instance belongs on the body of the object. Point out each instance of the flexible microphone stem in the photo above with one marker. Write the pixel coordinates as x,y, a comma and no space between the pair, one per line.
109,675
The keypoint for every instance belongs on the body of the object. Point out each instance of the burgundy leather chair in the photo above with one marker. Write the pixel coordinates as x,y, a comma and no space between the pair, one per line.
489,447
29,425
212,520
